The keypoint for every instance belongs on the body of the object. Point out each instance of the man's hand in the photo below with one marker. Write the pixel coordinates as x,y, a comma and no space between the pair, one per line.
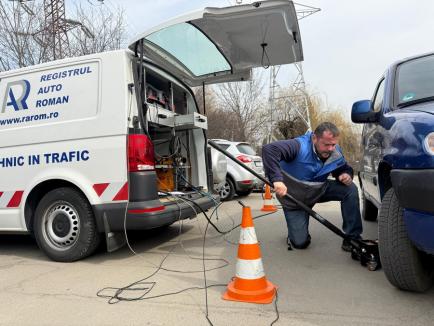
279,188
345,178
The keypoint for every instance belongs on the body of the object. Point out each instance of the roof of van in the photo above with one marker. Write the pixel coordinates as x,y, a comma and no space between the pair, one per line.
65,61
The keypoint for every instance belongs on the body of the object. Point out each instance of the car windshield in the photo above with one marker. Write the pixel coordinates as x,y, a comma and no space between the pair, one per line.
246,149
191,48
415,81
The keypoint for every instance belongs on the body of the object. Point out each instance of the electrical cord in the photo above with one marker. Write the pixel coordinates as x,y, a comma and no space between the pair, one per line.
146,287
226,232
143,286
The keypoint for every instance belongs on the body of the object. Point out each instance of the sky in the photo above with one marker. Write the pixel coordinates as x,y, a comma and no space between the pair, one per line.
347,45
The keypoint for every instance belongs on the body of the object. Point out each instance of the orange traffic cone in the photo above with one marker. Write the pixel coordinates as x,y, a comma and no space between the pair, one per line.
268,201
249,283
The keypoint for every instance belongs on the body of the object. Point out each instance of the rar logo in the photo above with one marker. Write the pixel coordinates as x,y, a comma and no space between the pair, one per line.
16,95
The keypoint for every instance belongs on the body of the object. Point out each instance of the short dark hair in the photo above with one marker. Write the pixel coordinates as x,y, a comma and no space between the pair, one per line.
326,126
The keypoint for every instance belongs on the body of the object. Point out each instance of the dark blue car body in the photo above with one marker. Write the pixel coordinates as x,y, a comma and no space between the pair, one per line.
398,161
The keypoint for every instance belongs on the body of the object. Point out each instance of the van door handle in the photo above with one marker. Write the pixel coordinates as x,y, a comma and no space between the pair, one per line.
162,116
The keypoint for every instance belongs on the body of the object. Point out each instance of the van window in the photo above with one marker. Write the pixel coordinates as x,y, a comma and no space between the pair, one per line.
415,80
191,48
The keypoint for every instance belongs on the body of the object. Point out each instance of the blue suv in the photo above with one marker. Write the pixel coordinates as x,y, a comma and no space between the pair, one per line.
397,170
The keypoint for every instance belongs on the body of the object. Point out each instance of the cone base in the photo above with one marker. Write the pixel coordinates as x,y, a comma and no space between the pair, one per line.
264,296
269,208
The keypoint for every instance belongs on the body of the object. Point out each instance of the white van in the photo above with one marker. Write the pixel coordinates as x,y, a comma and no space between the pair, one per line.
102,143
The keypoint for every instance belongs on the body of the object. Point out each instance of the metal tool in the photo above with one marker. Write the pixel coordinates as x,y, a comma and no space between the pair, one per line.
366,251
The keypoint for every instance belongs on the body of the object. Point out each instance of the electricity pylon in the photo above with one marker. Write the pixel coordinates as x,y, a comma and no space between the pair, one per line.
297,101
54,34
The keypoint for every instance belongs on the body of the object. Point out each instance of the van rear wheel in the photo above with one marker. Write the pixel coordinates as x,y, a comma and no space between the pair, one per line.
64,225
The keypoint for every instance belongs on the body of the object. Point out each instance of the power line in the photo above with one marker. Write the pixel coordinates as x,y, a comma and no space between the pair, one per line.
54,34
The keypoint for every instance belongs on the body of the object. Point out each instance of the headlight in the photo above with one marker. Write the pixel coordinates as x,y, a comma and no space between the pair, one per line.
429,143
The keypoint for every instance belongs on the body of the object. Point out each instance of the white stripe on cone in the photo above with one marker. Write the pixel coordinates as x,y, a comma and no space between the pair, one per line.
248,236
6,198
250,269
111,191
268,202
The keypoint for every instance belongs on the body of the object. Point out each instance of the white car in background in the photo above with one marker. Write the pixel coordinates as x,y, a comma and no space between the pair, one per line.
238,180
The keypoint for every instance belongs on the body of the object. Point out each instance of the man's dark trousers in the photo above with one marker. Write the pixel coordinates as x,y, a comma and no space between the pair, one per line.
298,220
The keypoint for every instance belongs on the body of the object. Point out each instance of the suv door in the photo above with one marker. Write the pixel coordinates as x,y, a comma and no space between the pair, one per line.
372,142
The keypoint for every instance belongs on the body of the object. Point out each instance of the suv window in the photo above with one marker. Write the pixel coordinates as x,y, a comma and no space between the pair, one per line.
246,149
379,96
224,146
415,80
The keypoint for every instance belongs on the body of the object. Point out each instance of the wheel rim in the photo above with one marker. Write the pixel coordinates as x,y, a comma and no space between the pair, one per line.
225,190
61,225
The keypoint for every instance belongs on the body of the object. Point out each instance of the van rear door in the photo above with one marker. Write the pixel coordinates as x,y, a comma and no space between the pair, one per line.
224,44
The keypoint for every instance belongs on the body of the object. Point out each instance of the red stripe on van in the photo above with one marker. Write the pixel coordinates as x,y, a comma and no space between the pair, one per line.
16,199
100,187
146,210
123,193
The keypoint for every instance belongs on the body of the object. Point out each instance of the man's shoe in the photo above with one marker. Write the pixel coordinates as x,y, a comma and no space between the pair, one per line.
346,245
288,242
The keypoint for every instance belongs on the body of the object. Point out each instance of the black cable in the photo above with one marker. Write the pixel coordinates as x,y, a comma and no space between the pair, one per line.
276,309
265,56
204,274
147,287
206,293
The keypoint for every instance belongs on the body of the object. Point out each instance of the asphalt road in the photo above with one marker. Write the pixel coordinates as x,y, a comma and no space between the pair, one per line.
318,286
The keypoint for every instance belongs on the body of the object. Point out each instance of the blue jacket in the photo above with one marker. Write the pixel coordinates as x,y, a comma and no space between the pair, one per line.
307,166
306,172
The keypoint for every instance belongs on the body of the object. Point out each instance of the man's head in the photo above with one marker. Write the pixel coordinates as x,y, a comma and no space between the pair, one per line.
325,138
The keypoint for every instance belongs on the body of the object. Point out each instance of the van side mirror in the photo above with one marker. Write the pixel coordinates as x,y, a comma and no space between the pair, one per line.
362,112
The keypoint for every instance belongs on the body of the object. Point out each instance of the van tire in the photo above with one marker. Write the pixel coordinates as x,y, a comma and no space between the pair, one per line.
405,266
369,210
64,225
227,191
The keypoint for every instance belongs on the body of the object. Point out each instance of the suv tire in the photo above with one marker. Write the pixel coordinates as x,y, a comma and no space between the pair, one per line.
227,191
64,225
369,210
405,267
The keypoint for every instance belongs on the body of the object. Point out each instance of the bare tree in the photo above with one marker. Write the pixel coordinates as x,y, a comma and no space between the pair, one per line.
221,123
288,122
246,103
18,26
350,133
104,30
22,28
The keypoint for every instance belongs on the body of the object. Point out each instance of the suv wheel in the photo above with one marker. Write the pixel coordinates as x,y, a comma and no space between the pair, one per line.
227,191
369,210
405,267
64,225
